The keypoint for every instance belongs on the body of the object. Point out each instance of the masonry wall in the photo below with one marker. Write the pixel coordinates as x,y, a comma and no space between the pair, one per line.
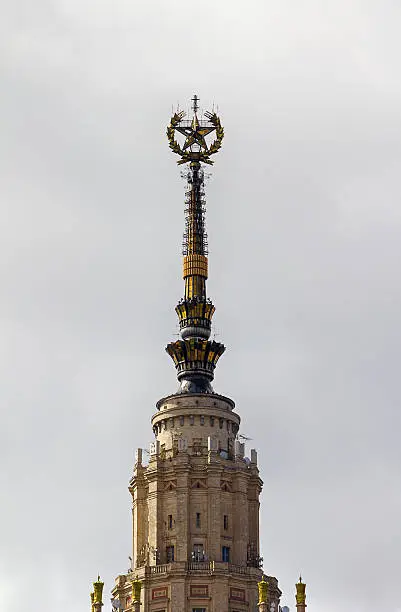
195,511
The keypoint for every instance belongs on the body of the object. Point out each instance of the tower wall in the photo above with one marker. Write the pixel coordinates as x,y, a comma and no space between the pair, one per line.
195,510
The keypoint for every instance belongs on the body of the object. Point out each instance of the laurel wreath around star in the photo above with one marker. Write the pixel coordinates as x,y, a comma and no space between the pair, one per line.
202,155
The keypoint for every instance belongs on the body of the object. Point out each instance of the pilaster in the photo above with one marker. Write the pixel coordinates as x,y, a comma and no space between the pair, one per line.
214,512
139,490
155,486
182,552
241,516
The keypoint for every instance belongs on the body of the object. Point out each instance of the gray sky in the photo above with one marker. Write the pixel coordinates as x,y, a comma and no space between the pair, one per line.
304,224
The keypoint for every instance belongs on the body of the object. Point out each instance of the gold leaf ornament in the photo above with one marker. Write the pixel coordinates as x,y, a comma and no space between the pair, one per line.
188,156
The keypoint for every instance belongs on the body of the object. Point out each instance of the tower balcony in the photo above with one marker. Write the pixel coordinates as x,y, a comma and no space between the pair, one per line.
199,568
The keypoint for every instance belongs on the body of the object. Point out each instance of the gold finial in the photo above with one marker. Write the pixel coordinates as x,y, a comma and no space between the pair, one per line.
136,590
300,596
263,587
98,591
92,600
195,149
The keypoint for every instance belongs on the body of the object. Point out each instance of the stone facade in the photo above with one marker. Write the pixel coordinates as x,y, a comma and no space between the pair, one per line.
195,512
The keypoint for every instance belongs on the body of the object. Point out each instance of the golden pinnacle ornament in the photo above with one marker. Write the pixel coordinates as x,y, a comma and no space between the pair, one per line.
195,147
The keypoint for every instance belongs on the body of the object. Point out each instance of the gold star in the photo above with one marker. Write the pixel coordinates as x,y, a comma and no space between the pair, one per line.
195,134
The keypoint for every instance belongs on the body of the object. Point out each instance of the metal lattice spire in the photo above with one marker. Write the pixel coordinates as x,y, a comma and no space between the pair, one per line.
195,357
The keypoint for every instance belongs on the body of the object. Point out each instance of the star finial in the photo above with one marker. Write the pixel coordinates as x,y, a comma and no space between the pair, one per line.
195,147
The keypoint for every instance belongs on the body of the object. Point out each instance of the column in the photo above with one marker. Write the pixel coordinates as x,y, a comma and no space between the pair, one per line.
241,518
214,512
181,552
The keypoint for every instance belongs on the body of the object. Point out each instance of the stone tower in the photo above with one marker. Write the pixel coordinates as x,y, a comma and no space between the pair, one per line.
196,503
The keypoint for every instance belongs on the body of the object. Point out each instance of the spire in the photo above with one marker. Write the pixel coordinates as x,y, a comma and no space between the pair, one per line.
195,357
300,595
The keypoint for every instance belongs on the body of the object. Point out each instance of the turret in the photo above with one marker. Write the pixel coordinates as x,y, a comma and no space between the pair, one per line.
301,595
269,595
97,595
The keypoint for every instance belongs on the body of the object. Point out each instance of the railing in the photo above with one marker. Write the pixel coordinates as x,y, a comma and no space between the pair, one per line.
212,566
200,566
239,569
160,569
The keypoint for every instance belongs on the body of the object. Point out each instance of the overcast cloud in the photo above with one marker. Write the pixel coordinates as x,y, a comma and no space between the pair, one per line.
304,224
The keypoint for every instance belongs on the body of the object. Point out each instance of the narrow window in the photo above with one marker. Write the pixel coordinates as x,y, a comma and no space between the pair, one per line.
170,521
211,421
225,522
198,522
197,446
182,420
221,421
191,420
225,554
170,553
202,420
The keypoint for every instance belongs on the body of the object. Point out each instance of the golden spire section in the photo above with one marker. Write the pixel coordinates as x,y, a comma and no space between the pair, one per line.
195,354
195,264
